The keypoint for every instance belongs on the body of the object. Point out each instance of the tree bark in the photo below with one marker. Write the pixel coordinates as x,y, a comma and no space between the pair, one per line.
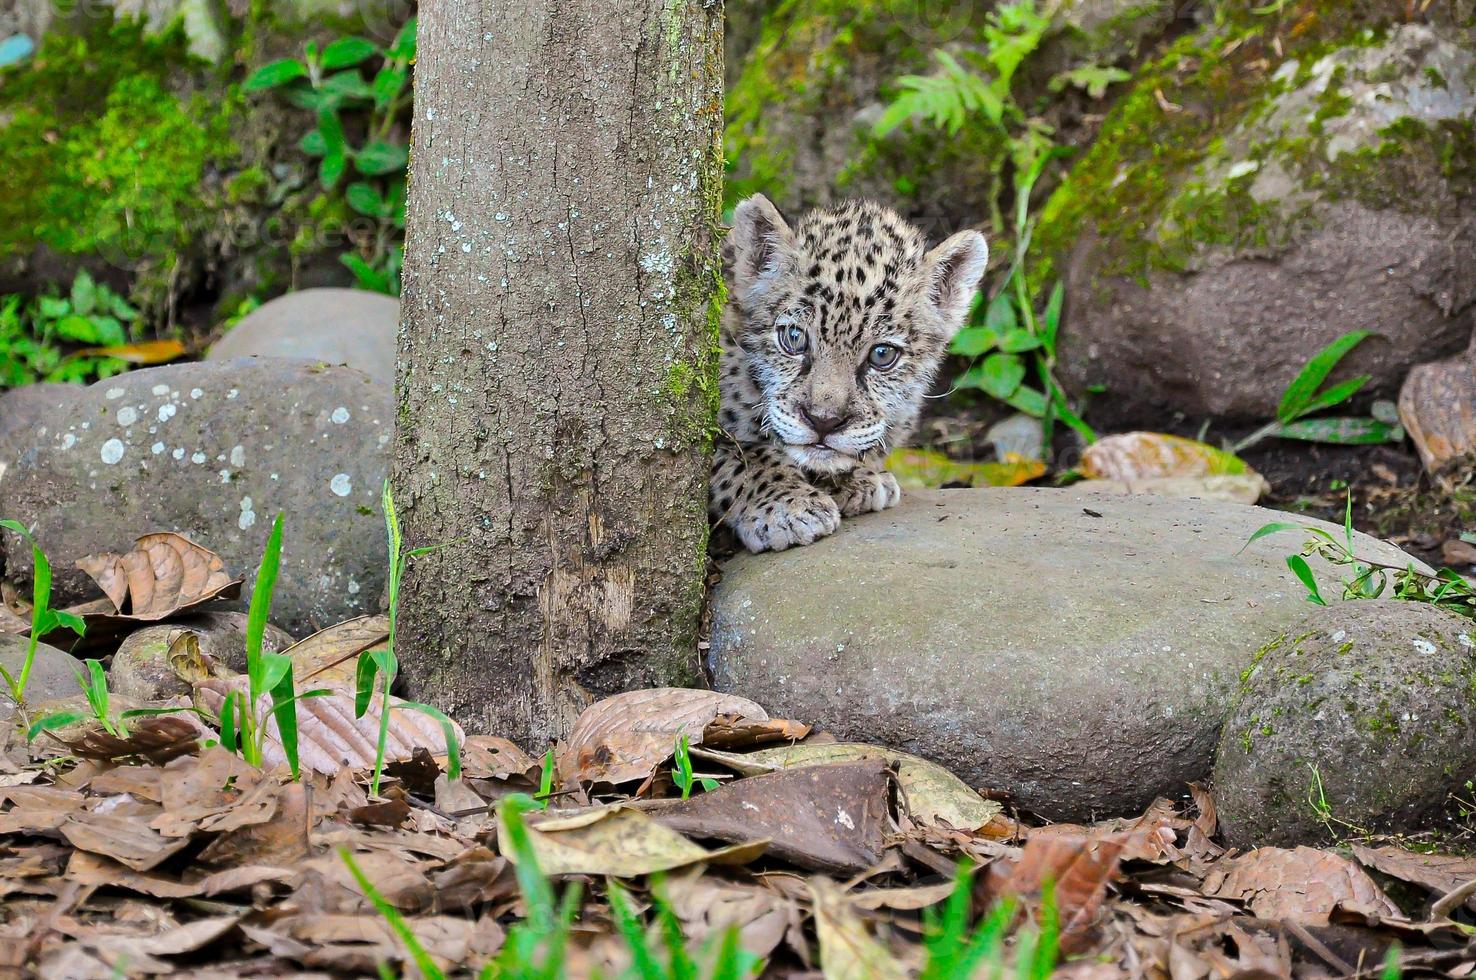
557,380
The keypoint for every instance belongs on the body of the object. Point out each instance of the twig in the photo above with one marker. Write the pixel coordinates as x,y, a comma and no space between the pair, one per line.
1452,900
1317,946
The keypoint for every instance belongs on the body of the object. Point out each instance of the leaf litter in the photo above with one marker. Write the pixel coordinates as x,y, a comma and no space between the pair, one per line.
159,852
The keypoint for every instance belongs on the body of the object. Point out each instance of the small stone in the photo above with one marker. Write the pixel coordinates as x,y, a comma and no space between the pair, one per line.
141,668
54,673
1358,719
331,326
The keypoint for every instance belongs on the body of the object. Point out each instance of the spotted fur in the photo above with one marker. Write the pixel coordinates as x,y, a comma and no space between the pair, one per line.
833,333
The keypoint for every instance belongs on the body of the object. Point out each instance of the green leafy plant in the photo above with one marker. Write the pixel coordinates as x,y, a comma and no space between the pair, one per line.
1305,397
666,957
1012,347
243,728
384,666
1369,578
99,700
957,93
534,948
352,75
681,770
44,619
36,334
1010,341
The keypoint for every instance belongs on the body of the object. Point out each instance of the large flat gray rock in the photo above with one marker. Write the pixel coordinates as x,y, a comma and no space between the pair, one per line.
1077,650
214,450
334,326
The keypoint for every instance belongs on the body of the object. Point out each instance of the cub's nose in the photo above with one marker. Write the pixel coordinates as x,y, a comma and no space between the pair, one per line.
824,424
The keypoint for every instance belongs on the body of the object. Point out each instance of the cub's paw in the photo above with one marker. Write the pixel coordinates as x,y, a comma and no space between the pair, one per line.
794,519
864,491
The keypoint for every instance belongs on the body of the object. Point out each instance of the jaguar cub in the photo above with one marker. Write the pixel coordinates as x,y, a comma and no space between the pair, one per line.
832,334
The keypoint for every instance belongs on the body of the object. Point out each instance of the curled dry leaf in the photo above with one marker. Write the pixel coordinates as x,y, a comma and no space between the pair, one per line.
708,906
624,738
617,841
329,737
930,793
1079,865
166,572
1438,873
1299,883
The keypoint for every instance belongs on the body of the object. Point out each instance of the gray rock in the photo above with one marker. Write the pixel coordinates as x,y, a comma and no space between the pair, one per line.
25,414
214,451
1324,203
1077,650
1372,700
53,675
141,669
332,326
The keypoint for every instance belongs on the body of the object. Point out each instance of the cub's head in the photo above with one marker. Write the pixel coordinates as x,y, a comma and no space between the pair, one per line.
845,318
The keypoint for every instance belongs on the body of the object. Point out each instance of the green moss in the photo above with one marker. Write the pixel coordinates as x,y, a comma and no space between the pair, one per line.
104,154
798,70
1157,185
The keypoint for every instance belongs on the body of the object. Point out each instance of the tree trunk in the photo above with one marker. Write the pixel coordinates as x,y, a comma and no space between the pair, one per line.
557,361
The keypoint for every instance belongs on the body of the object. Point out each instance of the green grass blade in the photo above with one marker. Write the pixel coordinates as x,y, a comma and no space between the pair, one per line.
422,959
1341,431
261,607
229,738
1303,389
448,729
52,722
284,709
1265,530
634,932
537,892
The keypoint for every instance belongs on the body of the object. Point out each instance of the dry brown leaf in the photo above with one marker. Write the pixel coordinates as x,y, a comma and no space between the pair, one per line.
624,738
126,838
156,739
617,841
332,654
708,906
1079,865
1299,883
1438,873
825,818
930,793
902,899
329,737
166,572
847,950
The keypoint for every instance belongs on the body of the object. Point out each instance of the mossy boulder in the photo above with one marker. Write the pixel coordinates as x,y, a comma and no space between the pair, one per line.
1260,192
815,75
1360,719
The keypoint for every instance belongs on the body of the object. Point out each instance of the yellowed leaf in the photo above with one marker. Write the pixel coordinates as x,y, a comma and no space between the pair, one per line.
1147,455
847,950
144,352
617,841
919,469
930,793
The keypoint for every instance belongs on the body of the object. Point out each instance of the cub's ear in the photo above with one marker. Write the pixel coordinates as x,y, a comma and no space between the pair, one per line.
952,272
759,251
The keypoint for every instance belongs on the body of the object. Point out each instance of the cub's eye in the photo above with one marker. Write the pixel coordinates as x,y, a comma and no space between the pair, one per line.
883,357
792,339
